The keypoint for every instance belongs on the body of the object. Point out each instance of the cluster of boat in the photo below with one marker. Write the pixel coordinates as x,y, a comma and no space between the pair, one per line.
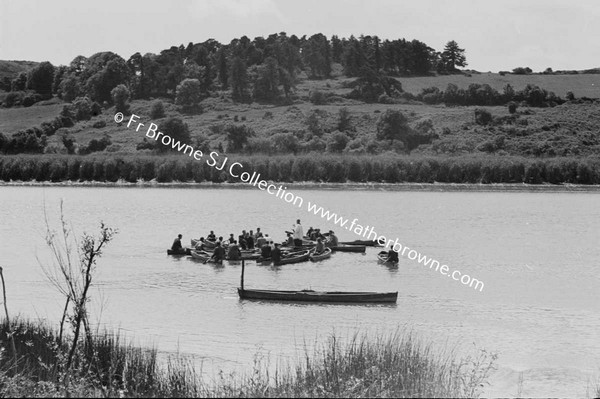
203,251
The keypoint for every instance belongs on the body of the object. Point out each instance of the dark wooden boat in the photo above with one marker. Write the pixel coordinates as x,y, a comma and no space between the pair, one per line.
181,252
326,254
296,257
383,258
318,296
366,243
349,248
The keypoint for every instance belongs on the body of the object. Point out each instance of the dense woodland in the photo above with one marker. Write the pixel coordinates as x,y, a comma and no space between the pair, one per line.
186,80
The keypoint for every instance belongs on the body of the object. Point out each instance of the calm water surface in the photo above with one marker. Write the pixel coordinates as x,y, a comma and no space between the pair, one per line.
538,254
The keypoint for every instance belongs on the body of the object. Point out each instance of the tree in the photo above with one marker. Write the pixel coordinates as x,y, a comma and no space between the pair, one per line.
337,142
237,137
157,110
188,93
102,73
393,125
40,79
266,86
19,83
316,53
120,96
69,88
177,129
239,80
59,74
453,56
223,70
73,276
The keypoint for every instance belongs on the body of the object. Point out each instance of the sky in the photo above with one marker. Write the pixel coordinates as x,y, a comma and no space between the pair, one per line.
497,35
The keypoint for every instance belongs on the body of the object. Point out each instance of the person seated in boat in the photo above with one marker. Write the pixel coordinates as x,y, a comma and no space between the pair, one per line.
309,233
392,256
200,243
298,233
320,247
332,240
234,252
231,239
260,241
250,241
290,240
218,254
269,241
177,244
242,239
265,251
276,254
211,236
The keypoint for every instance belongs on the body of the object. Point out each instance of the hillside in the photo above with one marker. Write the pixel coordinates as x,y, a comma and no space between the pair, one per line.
10,69
565,130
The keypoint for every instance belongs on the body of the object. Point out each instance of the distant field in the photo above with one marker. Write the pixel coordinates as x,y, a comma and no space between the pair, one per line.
15,119
11,69
581,85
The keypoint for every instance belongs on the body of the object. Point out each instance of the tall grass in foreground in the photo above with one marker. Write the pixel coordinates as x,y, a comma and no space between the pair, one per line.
395,365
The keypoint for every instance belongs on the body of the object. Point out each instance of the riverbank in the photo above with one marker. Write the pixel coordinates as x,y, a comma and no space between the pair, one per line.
317,168
436,186
384,365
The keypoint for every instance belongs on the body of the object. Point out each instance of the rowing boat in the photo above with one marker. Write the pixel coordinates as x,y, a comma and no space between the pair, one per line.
179,252
317,296
326,254
205,243
349,248
294,258
366,243
204,257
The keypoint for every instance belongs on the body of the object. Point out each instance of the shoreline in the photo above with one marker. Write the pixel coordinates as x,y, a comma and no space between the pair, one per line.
432,187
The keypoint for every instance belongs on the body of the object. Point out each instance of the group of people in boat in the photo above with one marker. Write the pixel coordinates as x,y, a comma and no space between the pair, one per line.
250,240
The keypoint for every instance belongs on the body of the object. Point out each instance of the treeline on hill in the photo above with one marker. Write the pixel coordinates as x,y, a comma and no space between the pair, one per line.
306,168
259,69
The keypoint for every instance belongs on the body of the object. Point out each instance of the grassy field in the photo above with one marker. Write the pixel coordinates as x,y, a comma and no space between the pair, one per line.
14,119
11,69
582,85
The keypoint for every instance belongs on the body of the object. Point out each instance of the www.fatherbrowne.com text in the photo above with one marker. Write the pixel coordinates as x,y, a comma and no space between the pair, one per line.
236,170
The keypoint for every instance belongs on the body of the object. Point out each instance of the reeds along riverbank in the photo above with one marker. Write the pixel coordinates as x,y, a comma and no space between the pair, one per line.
304,168
395,365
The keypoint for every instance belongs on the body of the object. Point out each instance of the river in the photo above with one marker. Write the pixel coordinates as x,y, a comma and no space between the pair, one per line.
537,253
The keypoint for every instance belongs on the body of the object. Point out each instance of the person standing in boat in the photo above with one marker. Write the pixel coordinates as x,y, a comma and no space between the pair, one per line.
258,234
218,254
177,244
298,234
231,239
234,252
276,254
